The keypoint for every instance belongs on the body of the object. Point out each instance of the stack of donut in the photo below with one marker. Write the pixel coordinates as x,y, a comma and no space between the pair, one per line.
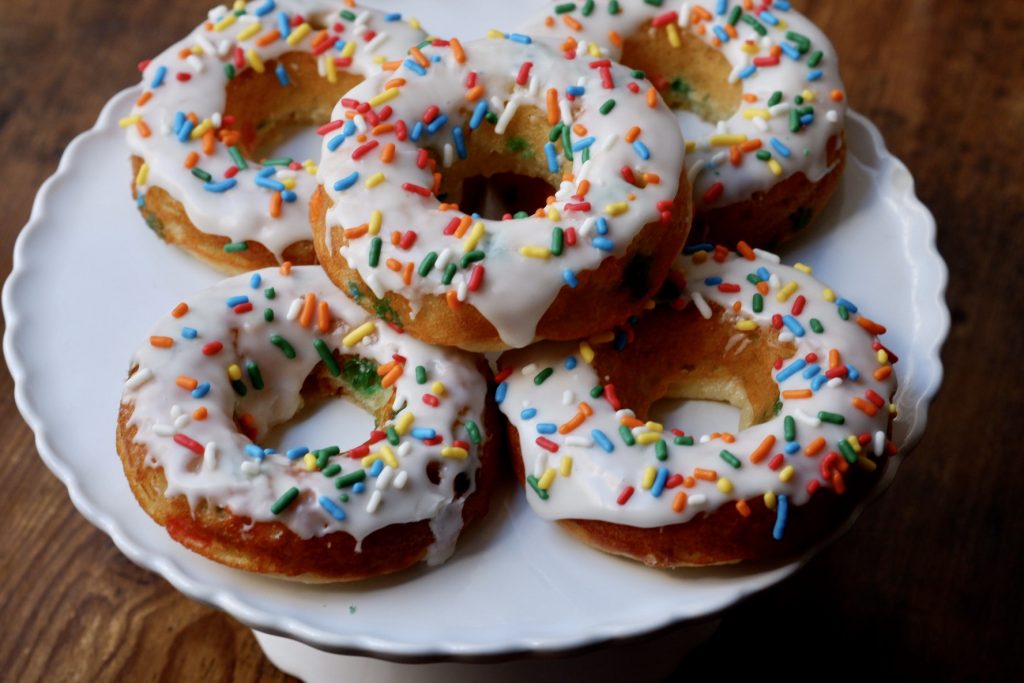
526,193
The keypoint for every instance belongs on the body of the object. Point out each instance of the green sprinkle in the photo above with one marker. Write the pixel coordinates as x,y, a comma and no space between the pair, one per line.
816,325
327,357
803,43
607,107
596,391
278,161
586,155
421,374
758,28
731,459
449,274
268,314
332,469
654,3
565,7
844,313
753,279
347,15
637,73
532,481
270,293
557,241
627,435
350,478
375,245
393,437
734,15
255,376
758,303
361,374
763,154
427,264
588,7
201,174
567,143
661,450
683,441
282,503
344,499
472,257
321,458
233,247
239,388
789,428
794,121
491,117
474,432
543,375
239,160
775,98
846,449
832,418
799,99
229,71
815,58
280,342
521,214
613,7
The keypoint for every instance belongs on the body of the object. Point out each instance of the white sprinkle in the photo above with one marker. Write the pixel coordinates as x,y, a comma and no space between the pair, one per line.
695,169
294,309
163,430
580,441
361,19
721,128
702,305
565,109
568,397
705,438
321,65
497,104
774,282
462,291
385,477
834,382
529,369
205,45
697,499
176,411
217,13
182,421
377,41
786,336
443,258
449,155
587,227
719,159
210,457
533,86
759,123
250,468
879,442
540,464
195,63
506,116
779,109
768,255
400,479
684,14
374,502
809,420
832,116
216,118
141,376
360,123
585,169
609,142
404,449
624,412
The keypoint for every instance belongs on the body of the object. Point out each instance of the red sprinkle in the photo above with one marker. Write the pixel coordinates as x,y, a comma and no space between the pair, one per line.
713,193
839,371
798,305
243,308
728,287
503,375
431,400
664,19
776,461
418,189
430,113
212,349
364,149
359,451
626,494
188,443
408,239
476,278
612,397
524,73
777,321
547,444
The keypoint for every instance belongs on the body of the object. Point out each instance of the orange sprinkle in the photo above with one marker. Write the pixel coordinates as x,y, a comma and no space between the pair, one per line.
750,145
420,58
549,21
775,51
842,465
632,134
475,93
460,54
437,183
631,422
833,358
186,382
701,30
749,97
837,483
394,83
392,376
586,409
735,155
143,98
763,449
689,482
836,95
193,118
184,52
679,502
161,342
407,273
762,287
361,137
200,413
387,155
883,372
357,232
390,66
736,306
393,264
463,227
209,142
745,250
583,188
797,393
143,128
191,159
382,128
730,30
863,406
700,14
815,447
706,475
571,23
308,309
268,37
386,367
716,42
179,310
615,39
579,129
728,438
275,204
286,268
652,178
323,316
572,423
743,508
870,325
453,299
552,100
652,98
396,237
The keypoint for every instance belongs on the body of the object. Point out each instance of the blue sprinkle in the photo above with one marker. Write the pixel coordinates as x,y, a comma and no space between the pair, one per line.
349,128
583,143
791,448
339,45
393,16
790,51
602,225
460,142
818,381
265,9
254,451
721,34
423,433
269,184
807,119
620,340
335,142
811,371
255,281
721,6
781,514
267,172
546,428
570,278
552,156
814,74
712,281
794,325
519,38
763,273
333,509
282,75
603,441
528,413
222,186
235,300
158,77
189,332
570,362
417,131
659,482
185,131
289,196
413,65
179,121
747,71
790,370
202,390
575,90
852,373
779,147
840,301
500,392
782,5
376,468
603,243
479,112
694,248
359,487
768,18
641,150
296,453
284,25
437,124
346,182
268,451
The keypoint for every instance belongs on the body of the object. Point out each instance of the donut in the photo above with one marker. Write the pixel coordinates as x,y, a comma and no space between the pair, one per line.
813,384
405,151
214,107
225,368
761,98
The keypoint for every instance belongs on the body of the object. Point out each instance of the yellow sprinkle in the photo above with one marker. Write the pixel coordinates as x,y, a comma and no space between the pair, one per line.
388,456
535,252
546,479
494,34
403,423
865,464
234,372
454,452
587,352
854,443
368,460
289,183
829,295
746,326
239,4
225,22
475,233
882,357
249,31
655,426
727,139
648,480
700,257
376,218
310,461
129,120
892,409
415,23
375,180
673,34
803,268
691,145
329,70
647,437
808,95
787,473
437,388
311,168
769,500
554,214
349,49
774,167
143,175
616,208
750,48
296,36
786,292
196,50
756,113
594,50
724,485
353,337
254,60
200,130
566,467
387,95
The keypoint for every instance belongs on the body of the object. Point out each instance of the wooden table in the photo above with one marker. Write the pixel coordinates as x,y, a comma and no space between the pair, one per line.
926,584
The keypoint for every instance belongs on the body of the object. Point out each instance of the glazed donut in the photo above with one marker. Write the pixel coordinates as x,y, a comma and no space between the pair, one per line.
812,381
764,131
215,104
221,371
404,147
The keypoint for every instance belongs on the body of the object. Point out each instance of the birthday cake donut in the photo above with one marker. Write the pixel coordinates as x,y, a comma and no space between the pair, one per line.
393,221
216,104
764,99
232,363
813,383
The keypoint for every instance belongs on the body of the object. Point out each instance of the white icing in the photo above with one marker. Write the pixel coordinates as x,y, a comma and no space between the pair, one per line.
243,212
709,163
517,289
225,474
598,477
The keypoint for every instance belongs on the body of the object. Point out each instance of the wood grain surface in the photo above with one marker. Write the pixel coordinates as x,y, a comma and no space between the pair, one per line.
927,584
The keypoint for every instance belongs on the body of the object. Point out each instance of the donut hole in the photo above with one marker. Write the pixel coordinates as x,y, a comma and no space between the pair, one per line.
693,76
502,194
686,413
